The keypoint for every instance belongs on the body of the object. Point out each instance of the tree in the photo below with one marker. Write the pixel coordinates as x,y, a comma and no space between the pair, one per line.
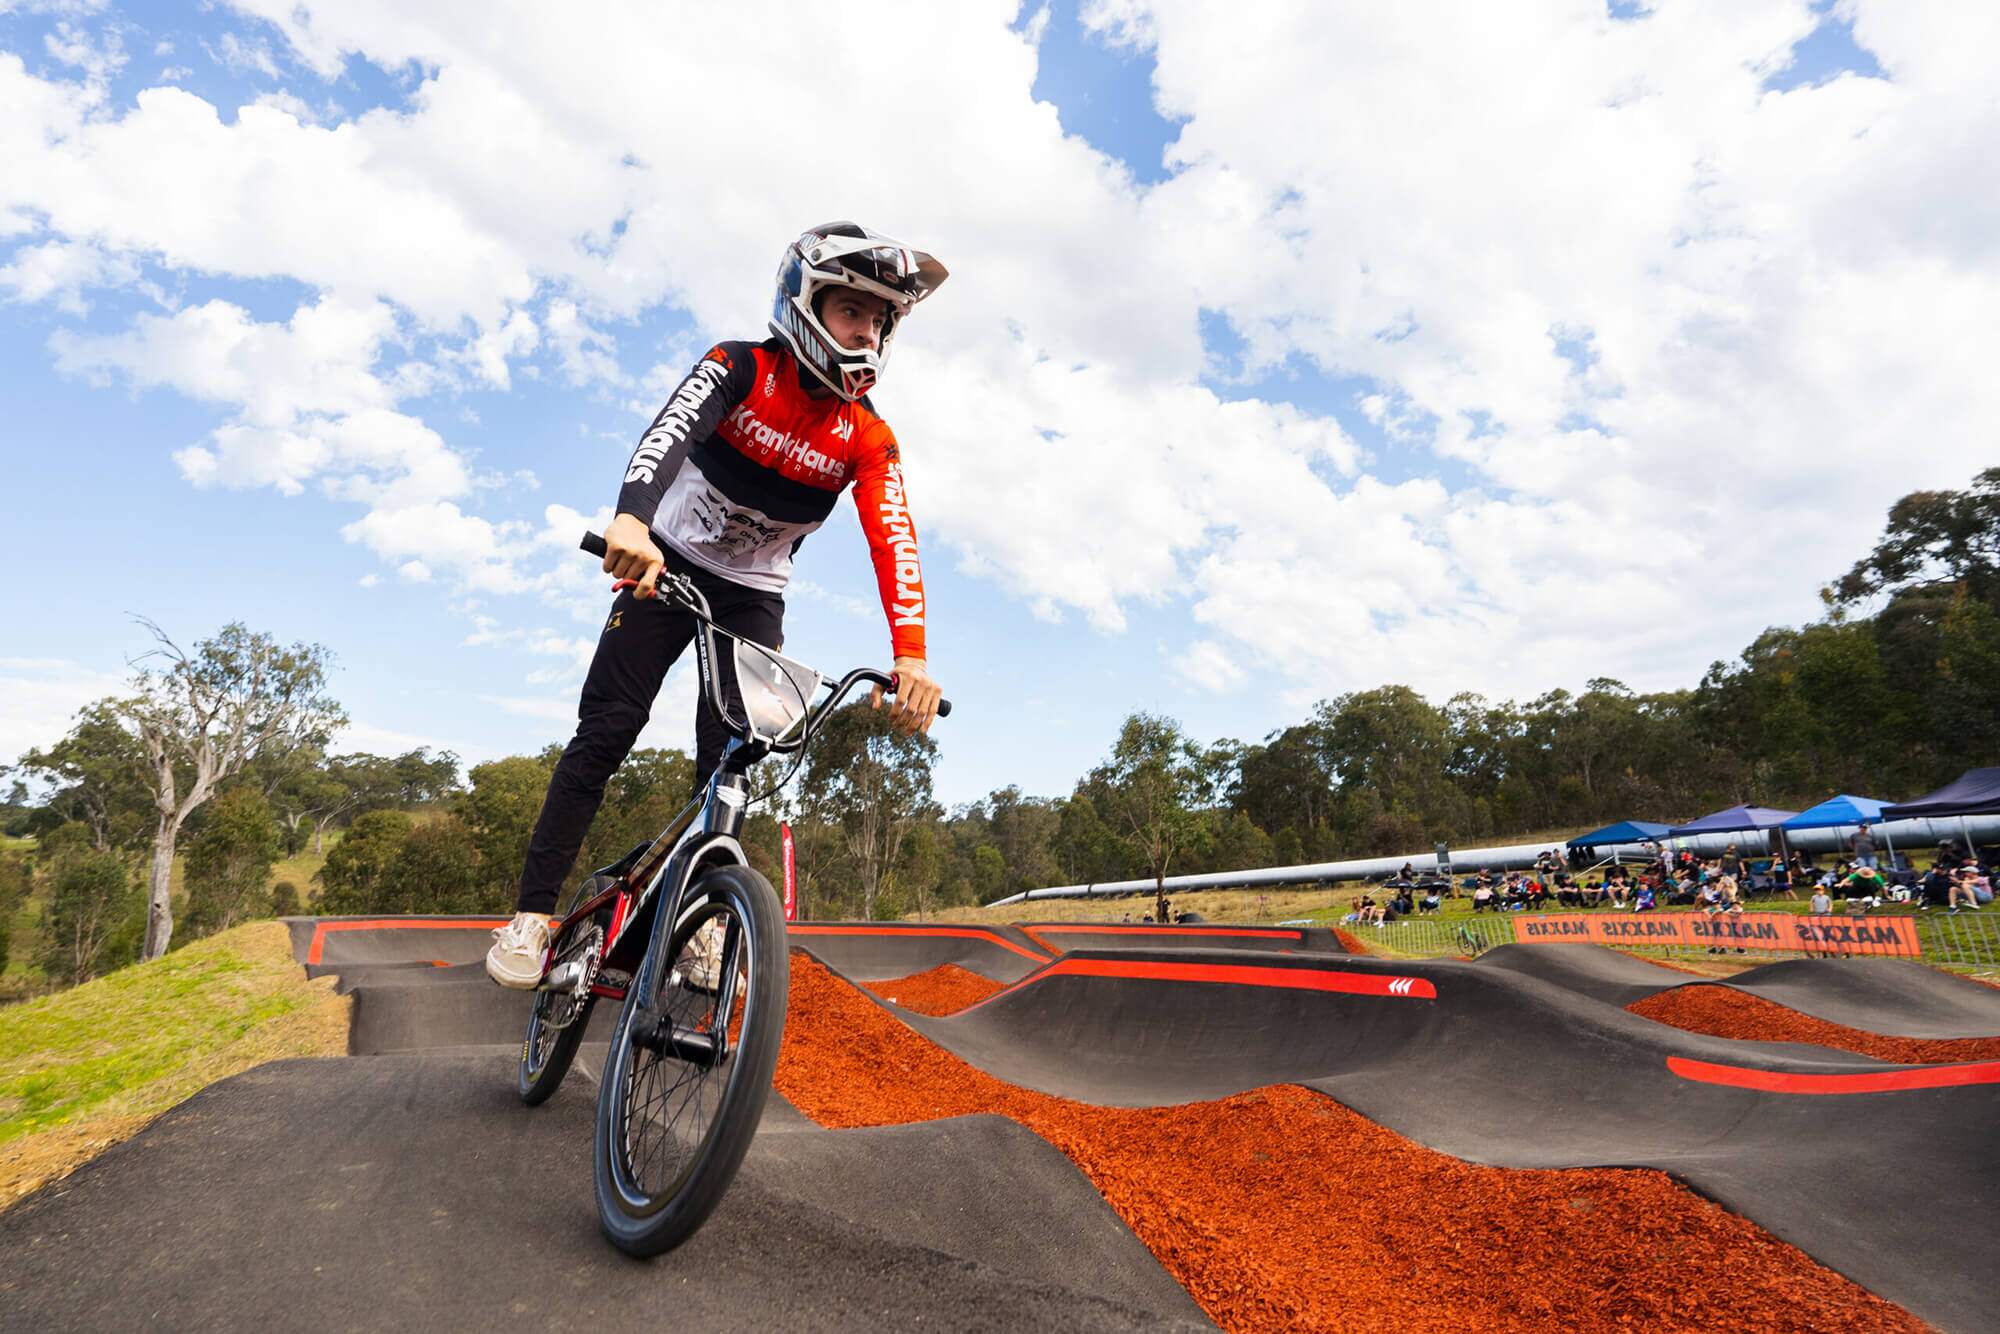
90,898
356,872
1934,540
202,717
99,774
1152,794
229,861
501,808
437,870
873,784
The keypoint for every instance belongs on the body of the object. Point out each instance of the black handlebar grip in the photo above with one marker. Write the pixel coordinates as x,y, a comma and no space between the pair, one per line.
944,708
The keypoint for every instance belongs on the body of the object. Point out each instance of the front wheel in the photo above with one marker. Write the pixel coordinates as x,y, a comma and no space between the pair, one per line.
690,1062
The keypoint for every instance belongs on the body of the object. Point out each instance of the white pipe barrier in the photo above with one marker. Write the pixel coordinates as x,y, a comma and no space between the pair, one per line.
1905,835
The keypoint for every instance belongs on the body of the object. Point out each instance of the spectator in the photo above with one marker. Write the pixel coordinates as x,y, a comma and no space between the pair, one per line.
1821,904
1732,862
1962,881
1781,878
1643,900
1864,847
1482,897
1430,902
1867,884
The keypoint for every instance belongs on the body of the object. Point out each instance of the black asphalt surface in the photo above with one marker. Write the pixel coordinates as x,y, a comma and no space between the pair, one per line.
414,1191
408,1186
1897,997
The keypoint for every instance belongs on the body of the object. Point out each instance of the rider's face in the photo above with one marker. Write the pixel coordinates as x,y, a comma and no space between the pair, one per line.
855,319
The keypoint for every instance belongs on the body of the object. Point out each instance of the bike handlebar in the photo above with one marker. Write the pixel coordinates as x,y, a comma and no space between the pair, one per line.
594,544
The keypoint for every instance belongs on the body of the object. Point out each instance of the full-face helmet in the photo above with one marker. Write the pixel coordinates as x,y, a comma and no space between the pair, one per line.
845,254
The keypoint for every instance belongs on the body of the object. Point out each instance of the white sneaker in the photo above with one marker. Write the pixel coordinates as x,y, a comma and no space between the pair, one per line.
704,955
518,950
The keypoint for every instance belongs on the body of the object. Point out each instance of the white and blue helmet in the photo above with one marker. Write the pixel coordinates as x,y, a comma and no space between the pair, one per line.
845,254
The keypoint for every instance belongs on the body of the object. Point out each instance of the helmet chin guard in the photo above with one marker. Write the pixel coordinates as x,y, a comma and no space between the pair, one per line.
845,254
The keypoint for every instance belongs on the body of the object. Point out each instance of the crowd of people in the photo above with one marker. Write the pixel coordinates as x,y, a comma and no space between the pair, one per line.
1956,880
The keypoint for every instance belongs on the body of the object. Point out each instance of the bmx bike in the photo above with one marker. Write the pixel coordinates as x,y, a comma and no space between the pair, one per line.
691,941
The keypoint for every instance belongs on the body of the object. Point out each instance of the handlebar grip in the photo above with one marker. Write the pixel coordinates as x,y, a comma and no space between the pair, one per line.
593,544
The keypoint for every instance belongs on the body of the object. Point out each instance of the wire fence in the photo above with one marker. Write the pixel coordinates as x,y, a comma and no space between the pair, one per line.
1962,940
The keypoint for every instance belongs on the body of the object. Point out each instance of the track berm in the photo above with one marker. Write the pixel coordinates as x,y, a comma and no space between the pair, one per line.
1140,1127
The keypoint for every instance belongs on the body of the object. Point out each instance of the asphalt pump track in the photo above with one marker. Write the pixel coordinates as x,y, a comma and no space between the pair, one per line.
411,1186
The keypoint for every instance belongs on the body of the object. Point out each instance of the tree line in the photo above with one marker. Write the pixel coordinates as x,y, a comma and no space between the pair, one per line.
220,754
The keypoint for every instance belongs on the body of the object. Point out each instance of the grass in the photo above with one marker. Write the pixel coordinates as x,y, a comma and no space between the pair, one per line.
90,1066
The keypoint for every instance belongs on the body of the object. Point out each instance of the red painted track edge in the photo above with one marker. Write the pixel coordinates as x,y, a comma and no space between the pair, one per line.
1872,1081
962,932
320,929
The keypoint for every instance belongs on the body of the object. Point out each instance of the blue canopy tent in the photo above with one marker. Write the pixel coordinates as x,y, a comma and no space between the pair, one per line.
1736,819
1625,831
1841,811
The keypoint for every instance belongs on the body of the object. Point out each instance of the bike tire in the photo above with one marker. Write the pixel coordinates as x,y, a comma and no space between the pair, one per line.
644,1208
545,1055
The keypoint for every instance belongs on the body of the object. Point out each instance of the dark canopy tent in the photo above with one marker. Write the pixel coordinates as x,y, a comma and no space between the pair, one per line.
1734,820
1625,831
1974,792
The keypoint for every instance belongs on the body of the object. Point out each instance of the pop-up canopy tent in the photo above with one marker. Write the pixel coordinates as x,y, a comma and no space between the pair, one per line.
1974,792
1730,821
1625,831
1737,819
1843,810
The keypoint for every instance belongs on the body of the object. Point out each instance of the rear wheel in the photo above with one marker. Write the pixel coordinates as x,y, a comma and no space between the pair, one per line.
690,1062
559,1018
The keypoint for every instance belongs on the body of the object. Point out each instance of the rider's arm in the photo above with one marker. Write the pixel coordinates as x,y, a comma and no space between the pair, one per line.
719,381
892,545
892,538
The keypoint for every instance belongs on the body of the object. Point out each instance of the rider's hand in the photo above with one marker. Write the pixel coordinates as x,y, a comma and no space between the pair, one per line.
917,697
629,553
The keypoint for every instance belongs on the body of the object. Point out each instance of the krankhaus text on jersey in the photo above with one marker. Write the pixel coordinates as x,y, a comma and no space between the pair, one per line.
676,419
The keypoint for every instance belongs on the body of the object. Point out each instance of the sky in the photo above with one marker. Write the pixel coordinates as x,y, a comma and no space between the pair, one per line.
1289,349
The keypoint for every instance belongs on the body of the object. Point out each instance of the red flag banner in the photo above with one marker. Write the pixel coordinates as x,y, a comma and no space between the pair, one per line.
791,873
1747,930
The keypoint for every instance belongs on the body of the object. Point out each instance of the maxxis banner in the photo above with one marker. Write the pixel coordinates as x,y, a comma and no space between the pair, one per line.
1747,930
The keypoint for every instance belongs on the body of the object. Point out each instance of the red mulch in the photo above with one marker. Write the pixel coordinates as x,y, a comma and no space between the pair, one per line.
945,989
1725,1012
1280,1209
1348,942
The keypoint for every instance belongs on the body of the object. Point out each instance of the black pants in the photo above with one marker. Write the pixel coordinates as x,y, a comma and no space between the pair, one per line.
640,641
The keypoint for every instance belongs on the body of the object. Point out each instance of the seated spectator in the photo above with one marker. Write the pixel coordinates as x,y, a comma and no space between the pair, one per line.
1643,900
1591,894
1401,904
1430,902
1726,887
1482,897
1962,881
1866,884
1684,892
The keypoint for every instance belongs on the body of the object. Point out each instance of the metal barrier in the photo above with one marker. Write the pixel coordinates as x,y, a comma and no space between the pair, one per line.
1962,940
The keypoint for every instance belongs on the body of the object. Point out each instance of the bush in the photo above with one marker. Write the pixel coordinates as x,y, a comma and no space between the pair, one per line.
437,871
285,899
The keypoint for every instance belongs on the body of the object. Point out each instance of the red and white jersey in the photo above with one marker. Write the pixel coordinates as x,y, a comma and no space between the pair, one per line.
742,464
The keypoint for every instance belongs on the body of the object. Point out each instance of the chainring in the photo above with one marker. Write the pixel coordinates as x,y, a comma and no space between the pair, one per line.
563,1008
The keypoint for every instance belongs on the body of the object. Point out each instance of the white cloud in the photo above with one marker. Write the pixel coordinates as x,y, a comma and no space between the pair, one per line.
61,271
1785,298
43,696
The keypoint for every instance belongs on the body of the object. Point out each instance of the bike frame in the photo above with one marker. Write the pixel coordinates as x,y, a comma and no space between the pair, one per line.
706,832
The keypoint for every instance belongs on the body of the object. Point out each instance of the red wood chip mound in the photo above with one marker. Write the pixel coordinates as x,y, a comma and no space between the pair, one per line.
1280,1209
1348,942
945,989
1725,1012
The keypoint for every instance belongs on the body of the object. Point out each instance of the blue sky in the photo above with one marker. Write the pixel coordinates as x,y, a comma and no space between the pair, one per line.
1224,412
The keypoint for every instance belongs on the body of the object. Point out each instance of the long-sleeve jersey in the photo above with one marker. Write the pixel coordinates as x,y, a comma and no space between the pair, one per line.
742,464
